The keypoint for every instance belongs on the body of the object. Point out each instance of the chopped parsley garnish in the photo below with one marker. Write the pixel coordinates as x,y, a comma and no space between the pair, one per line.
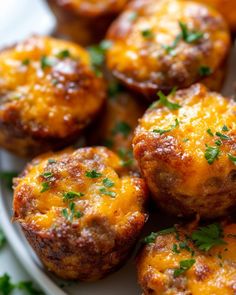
122,128
46,62
189,36
152,237
47,174
184,265
222,136
204,71
225,128
104,191
71,213
108,182
165,102
7,177
175,249
185,139
2,239
170,48
232,158
93,174
25,62
207,237
63,54
172,127
97,55
45,187
147,33
72,195
211,153
114,88
126,157
52,161
210,132
218,142
6,286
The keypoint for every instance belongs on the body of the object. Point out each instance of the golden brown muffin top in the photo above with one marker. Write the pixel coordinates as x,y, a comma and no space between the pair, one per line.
184,261
73,188
167,43
93,7
47,87
194,132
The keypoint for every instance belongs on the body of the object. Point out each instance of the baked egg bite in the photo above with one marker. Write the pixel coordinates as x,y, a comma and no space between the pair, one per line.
49,94
81,211
85,22
179,261
185,146
158,45
115,126
227,8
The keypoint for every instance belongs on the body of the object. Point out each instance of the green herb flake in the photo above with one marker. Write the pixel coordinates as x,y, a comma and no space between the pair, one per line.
6,286
170,48
29,288
52,161
147,33
225,128
184,266
207,237
45,187
2,239
93,174
47,174
205,71
63,54
71,213
46,62
72,195
104,191
122,128
218,142
232,158
108,182
185,140
25,62
189,36
172,127
211,154
152,237
222,136
210,132
165,102
175,249
7,177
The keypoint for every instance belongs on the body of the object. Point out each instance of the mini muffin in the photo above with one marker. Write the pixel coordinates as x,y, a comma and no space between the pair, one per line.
84,21
177,261
81,211
227,8
49,94
158,45
185,145
115,126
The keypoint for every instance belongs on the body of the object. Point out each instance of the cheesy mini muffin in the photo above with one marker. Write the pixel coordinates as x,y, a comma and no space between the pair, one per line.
185,145
180,261
85,21
115,126
158,45
49,94
227,8
81,211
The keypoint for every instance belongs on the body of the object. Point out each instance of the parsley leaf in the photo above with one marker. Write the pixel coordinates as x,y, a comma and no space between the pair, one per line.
210,132
147,34
123,128
172,127
104,191
232,158
2,239
52,161
205,71
29,288
47,174
93,174
189,36
225,128
108,182
222,136
71,195
184,265
46,62
25,62
165,102
8,176
211,154
71,213
207,237
63,54
6,285
45,187
152,237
